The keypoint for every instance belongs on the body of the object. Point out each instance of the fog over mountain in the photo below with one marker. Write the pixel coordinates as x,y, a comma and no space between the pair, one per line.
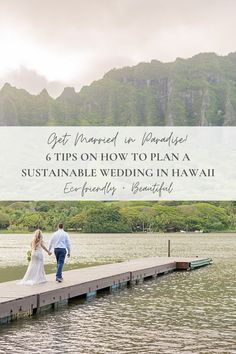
196,91
50,44
31,81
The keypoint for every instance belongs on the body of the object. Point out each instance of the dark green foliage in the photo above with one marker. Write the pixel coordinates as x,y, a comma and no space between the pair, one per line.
204,216
103,217
4,220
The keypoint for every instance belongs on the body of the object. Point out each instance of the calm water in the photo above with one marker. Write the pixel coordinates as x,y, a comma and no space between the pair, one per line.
187,312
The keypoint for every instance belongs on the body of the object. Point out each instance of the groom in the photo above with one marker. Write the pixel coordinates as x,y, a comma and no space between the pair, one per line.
60,241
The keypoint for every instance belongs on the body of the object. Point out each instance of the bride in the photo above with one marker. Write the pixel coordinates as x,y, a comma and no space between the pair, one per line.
35,273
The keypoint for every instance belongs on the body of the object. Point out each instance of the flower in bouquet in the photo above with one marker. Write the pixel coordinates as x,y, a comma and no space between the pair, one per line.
28,256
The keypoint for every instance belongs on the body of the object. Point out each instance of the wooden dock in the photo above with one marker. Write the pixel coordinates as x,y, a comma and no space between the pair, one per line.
21,300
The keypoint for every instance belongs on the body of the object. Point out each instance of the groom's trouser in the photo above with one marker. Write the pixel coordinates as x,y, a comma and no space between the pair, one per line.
60,254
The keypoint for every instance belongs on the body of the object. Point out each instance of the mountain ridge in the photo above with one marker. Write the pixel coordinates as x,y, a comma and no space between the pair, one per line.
196,91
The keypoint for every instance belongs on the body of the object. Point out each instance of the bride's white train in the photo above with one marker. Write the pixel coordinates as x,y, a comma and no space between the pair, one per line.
35,273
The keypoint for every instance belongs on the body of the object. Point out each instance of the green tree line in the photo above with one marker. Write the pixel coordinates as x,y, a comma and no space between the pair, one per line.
122,217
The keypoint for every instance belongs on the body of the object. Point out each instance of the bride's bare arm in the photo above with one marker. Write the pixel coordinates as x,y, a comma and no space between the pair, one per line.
45,248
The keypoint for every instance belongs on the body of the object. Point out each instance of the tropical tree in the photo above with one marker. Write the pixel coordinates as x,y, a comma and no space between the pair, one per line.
4,221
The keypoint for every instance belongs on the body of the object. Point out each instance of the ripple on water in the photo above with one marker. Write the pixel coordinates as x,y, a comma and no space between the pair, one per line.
185,312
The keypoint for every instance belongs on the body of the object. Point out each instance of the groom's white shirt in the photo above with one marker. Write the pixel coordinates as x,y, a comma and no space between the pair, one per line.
60,239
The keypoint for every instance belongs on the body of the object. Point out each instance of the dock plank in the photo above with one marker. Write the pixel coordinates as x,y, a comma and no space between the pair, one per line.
15,298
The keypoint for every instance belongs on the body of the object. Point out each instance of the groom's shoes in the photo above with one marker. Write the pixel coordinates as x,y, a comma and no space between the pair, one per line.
59,280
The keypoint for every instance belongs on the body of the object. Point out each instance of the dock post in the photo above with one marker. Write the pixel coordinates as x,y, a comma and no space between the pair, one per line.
168,248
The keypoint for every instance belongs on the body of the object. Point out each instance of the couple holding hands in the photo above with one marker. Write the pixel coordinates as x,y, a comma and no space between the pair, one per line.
60,243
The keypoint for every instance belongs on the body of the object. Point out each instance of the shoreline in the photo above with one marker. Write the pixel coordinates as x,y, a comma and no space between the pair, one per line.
7,232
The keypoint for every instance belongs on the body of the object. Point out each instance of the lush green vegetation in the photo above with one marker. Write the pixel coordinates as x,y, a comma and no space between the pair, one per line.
122,217
196,91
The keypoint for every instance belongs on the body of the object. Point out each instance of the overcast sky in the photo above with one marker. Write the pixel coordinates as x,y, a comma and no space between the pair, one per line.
57,43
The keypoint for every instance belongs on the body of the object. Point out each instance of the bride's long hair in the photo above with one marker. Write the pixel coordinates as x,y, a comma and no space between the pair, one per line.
36,239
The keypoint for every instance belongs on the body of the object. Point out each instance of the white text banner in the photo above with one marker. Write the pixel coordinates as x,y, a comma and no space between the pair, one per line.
118,163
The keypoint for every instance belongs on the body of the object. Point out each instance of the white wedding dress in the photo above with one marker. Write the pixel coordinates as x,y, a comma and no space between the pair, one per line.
35,273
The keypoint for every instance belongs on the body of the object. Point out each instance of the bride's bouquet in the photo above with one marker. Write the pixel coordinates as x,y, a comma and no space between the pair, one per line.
28,255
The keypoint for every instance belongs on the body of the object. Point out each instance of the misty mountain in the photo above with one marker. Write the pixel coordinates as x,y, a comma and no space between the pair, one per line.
31,81
196,91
